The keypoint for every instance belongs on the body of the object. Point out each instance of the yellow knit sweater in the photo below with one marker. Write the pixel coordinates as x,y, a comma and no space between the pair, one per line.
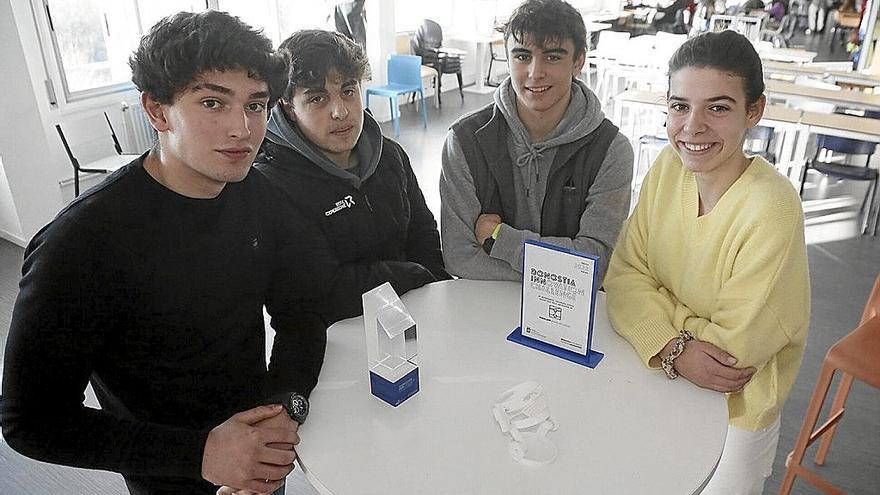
736,277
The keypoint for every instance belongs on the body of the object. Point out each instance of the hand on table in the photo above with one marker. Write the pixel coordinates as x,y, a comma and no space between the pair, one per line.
277,421
484,226
243,453
708,366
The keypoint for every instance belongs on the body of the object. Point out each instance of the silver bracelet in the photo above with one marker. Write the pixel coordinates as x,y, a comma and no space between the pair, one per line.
668,363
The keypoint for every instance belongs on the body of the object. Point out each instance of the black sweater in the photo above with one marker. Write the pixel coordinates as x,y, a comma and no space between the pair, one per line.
157,298
379,232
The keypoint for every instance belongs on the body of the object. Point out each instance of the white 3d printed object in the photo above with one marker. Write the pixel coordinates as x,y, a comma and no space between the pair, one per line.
523,413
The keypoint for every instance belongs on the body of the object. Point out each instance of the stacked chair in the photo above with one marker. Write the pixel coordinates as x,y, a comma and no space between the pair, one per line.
428,44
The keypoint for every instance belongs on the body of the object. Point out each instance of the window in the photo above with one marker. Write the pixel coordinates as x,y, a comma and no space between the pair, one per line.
88,35
92,40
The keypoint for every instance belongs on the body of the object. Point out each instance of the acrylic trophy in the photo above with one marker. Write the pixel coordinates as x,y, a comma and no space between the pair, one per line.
391,346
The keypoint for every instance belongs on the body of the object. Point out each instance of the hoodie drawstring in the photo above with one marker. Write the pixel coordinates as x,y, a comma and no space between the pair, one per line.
530,158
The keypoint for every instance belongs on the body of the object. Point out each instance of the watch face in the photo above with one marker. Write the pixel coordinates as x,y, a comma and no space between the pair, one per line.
487,245
299,407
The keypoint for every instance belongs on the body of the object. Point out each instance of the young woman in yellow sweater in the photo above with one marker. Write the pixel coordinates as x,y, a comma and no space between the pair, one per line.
709,277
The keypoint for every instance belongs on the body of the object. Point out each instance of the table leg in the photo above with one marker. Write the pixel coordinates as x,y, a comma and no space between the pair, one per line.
480,86
786,149
802,137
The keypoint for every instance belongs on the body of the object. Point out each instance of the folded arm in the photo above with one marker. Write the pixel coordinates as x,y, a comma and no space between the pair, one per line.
641,309
459,210
607,206
758,309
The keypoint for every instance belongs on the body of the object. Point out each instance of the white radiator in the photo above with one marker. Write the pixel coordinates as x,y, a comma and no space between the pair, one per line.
139,135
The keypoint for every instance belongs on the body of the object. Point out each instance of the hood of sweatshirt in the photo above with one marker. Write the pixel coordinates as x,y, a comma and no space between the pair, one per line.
583,115
283,132
533,160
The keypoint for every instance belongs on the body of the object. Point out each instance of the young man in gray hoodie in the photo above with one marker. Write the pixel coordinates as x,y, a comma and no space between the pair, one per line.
541,162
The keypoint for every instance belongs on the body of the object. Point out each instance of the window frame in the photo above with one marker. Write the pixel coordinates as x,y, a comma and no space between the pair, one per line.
84,94
59,90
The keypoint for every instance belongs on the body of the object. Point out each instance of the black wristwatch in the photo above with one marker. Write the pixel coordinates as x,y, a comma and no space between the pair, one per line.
487,244
297,407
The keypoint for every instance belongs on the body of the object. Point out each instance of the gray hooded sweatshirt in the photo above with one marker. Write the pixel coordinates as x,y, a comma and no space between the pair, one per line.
607,205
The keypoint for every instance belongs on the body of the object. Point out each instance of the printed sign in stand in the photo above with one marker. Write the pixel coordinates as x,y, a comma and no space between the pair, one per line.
558,303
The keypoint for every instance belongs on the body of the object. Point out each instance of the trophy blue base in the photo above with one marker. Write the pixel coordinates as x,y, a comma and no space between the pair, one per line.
591,359
395,393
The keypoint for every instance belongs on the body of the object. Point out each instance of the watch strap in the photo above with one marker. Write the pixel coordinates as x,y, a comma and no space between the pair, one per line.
487,245
490,241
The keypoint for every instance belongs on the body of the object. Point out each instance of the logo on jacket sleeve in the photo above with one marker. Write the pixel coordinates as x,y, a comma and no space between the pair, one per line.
346,202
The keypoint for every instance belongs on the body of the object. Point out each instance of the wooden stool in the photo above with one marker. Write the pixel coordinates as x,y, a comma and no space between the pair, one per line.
855,356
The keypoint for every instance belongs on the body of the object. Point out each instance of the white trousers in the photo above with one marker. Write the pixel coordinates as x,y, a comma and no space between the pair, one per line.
746,462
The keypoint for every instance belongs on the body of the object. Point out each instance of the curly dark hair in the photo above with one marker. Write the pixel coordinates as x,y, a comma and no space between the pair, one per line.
181,47
313,53
547,21
727,51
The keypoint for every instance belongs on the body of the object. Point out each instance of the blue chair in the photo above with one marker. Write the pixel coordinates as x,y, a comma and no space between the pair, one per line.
404,76
849,147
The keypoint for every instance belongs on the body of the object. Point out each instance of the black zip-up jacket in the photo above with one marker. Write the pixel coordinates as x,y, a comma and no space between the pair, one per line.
380,232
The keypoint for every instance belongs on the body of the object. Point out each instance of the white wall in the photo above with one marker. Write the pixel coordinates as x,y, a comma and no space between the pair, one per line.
31,168
10,227
380,44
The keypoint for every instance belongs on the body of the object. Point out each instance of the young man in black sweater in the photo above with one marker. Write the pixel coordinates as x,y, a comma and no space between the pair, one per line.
151,286
332,163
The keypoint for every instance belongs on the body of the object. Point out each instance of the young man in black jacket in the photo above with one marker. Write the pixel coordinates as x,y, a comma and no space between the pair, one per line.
152,286
333,164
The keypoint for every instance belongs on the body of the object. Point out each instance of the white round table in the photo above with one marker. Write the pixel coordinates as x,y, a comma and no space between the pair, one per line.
622,428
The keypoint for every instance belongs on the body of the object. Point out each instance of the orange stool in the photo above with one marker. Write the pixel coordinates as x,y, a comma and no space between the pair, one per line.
855,356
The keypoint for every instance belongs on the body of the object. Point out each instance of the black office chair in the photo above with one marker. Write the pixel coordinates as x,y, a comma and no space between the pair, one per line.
428,44
843,170
75,162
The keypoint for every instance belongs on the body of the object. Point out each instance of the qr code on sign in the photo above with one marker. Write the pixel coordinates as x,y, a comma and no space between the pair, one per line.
555,312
